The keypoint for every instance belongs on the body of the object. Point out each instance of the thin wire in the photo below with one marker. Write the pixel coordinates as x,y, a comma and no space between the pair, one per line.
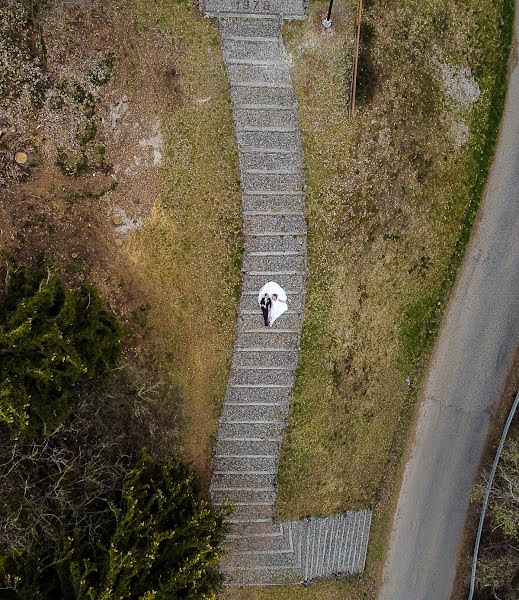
487,494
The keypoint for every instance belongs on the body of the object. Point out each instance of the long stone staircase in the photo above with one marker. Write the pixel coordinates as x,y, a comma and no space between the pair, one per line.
259,549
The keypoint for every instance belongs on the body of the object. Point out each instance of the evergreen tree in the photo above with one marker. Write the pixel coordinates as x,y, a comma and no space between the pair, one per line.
163,544
51,338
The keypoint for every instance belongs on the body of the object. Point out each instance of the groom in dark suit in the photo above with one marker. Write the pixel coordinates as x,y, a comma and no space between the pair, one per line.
265,305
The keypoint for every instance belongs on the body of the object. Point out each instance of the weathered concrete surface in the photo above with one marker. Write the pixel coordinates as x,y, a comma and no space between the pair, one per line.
467,374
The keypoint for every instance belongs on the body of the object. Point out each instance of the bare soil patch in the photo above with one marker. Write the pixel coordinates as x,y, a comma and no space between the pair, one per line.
131,184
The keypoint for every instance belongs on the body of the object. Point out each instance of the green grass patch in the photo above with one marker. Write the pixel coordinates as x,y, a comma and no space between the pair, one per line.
392,197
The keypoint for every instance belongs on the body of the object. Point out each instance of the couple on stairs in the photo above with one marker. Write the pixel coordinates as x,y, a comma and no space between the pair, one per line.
272,299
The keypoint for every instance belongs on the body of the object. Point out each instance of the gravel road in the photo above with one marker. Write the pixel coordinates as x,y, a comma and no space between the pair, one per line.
467,374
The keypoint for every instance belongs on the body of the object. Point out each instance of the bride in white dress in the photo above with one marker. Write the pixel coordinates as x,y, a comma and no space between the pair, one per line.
278,297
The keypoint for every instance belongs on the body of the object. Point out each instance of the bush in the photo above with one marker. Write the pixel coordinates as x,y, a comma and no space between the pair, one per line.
498,563
162,544
51,338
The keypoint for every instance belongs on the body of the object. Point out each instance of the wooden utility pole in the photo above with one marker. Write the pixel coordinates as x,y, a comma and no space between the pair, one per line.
355,63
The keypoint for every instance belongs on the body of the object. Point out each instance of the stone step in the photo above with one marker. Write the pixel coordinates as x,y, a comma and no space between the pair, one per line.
241,447
265,95
289,9
262,431
271,160
253,412
251,74
269,339
258,544
275,243
273,263
266,117
242,395
278,559
282,223
252,181
260,464
261,376
274,140
289,320
248,512
251,529
252,49
223,480
267,359
268,26
255,280
249,301
245,496
262,577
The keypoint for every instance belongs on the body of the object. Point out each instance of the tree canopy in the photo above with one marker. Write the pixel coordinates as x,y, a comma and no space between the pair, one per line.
51,338
161,543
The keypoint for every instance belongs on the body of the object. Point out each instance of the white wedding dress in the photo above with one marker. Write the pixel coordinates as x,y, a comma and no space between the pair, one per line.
279,306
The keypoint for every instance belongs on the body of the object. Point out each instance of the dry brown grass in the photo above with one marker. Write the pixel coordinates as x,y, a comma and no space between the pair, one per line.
170,271
387,197
391,195
186,257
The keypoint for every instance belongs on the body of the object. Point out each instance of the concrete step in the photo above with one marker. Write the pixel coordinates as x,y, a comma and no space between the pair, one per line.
245,448
245,496
282,223
266,359
262,577
255,280
266,117
271,160
274,140
252,181
260,464
253,412
259,376
277,559
242,395
294,242
289,320
269,339
271,74
252,49
262,431
259,544
252,529
252,511
223,480
249,301
268,26
266,95
289,9
273,263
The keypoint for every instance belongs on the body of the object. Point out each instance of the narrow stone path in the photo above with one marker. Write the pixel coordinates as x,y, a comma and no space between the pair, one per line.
259,549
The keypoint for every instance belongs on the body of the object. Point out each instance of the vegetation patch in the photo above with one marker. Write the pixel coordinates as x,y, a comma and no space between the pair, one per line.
130,182
497,573
187,256
85,513
391,199
51,338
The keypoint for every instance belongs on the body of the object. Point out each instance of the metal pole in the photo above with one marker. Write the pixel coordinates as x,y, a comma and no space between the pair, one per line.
487,494
355,64
327,21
